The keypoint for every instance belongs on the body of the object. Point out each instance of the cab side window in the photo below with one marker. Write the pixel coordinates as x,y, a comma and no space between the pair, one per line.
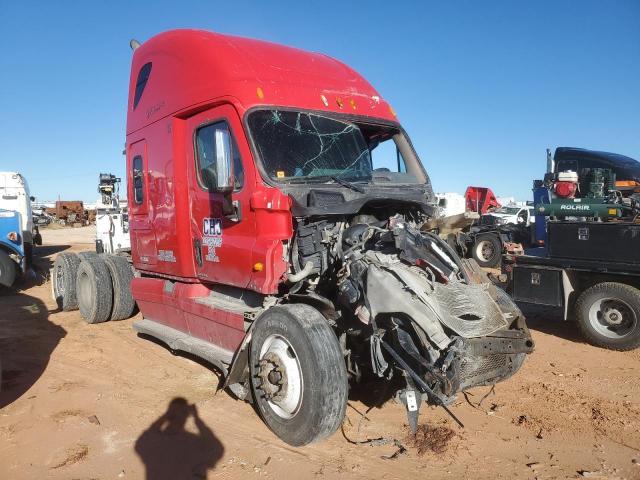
206,148
385,157
138,182
141,83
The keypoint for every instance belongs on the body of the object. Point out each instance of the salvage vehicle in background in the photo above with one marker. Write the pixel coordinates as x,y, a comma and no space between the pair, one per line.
469,226
70,212
590,263
112,217
275,232
15,196
41,217
510,215
12,251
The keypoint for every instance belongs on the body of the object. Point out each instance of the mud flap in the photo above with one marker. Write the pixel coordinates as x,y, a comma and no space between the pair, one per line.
237,379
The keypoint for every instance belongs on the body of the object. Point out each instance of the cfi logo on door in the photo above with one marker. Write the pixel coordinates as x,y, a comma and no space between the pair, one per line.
211,227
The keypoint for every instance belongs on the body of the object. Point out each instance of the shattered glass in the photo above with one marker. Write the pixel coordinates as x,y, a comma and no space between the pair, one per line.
305,147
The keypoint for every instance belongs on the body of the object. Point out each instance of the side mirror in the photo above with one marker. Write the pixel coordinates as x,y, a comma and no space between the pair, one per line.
32,198
224,163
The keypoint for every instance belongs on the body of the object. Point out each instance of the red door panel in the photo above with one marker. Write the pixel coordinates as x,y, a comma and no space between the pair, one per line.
143,238
222,244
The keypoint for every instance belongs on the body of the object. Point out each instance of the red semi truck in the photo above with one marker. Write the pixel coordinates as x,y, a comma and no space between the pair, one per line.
275,206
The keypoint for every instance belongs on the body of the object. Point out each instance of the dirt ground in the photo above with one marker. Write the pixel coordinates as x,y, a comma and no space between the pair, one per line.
83,401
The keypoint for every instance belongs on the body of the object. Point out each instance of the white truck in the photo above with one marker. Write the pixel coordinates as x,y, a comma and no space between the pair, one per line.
112,217
15,196
510,214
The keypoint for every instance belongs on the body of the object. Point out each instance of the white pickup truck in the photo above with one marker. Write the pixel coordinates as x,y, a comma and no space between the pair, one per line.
510,214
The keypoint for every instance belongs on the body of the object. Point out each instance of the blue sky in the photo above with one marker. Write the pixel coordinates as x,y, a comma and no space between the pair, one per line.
482,87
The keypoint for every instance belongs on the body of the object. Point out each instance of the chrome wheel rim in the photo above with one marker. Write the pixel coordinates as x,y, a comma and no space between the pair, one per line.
281,380
612,318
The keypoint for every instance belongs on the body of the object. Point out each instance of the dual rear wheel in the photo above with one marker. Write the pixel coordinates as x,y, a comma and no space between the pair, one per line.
98,285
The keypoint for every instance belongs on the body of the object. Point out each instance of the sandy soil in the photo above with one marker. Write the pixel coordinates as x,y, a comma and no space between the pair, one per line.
91,401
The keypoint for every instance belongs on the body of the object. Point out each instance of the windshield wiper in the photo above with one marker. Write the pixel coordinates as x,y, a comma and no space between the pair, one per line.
347,184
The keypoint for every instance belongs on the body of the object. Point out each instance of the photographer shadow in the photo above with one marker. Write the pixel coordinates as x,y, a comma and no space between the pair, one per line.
169,451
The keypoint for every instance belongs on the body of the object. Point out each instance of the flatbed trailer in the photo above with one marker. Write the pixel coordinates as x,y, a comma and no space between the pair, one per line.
592,271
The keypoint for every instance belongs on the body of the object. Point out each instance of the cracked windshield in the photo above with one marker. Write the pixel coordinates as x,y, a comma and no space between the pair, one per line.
300,147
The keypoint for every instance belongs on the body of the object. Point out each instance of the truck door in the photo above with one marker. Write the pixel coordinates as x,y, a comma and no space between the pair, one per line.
140,225
222,224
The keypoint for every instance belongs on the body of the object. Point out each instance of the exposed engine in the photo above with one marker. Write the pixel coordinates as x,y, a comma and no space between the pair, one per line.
402,299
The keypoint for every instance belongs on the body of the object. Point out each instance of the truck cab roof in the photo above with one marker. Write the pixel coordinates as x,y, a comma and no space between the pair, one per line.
184,69
625,168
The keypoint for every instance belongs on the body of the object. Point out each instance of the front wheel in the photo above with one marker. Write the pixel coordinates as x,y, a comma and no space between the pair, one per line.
608,315
298,374
8,269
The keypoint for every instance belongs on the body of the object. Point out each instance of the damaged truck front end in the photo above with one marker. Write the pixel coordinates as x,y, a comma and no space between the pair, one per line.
430,315
399,300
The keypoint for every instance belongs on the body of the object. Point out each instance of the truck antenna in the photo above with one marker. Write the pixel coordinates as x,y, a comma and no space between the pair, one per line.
133,43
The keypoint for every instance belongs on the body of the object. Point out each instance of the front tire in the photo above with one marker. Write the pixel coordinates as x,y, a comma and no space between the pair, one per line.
608,314
298,374
8,270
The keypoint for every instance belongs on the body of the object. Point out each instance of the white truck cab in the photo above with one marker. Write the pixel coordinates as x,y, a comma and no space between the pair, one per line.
14,195
450,204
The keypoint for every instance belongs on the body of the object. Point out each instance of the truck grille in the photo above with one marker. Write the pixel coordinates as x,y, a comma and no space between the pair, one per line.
476,370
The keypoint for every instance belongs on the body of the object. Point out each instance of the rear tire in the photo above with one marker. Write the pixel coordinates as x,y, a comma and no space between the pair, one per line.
63,281
487,250
94,290
8,269
608,315
311,404
121,276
